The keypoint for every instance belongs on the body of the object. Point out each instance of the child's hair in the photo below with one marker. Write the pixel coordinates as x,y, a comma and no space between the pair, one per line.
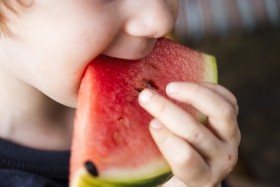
10,5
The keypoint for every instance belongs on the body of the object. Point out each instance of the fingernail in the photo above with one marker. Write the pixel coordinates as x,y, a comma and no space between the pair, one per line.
155,124
172,88
145,96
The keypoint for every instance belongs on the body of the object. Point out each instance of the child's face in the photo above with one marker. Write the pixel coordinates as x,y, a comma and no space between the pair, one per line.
54,40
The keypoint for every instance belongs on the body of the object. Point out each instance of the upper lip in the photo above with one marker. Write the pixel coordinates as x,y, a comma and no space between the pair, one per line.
131,52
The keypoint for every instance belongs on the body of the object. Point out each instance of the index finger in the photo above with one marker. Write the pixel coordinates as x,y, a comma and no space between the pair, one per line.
220,111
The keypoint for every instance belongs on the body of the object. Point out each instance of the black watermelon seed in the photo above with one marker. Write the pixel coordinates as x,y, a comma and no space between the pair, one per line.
151,84
91,168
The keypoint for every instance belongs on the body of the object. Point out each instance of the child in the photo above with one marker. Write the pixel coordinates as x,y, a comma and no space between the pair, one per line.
45,46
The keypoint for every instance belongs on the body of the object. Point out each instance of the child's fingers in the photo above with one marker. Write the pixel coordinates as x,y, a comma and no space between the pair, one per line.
226,94
180,123
182,134
219,110
180,155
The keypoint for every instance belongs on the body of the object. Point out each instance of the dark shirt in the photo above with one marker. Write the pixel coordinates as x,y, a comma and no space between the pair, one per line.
21,166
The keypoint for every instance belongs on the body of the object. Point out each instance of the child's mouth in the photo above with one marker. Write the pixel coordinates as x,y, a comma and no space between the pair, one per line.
131,52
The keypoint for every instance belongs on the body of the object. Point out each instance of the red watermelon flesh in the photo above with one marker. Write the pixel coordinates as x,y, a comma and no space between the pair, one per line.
111,132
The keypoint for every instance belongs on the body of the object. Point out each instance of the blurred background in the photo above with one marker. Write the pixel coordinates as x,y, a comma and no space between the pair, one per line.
244,35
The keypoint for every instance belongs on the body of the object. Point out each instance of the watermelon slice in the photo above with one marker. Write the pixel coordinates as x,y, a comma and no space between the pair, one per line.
112,145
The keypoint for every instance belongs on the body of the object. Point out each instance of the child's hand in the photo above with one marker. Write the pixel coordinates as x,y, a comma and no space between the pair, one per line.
199,155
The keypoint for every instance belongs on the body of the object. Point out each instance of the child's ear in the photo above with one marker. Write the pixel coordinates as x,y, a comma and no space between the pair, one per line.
25,3
14,6
8,6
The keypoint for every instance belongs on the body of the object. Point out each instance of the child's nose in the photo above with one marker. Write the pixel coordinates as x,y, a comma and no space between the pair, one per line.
151,18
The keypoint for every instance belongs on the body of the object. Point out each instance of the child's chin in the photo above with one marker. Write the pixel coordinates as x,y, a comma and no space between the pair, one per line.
68,101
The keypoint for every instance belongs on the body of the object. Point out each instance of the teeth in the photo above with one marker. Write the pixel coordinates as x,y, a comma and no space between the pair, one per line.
91,168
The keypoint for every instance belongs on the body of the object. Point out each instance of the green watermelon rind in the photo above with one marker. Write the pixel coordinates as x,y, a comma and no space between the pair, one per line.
211,76
87,180
211,73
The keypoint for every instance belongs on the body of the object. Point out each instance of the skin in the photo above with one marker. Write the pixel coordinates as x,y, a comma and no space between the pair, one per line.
51,43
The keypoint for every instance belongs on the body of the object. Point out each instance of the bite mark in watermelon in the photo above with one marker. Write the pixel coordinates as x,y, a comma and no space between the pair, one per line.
111,132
